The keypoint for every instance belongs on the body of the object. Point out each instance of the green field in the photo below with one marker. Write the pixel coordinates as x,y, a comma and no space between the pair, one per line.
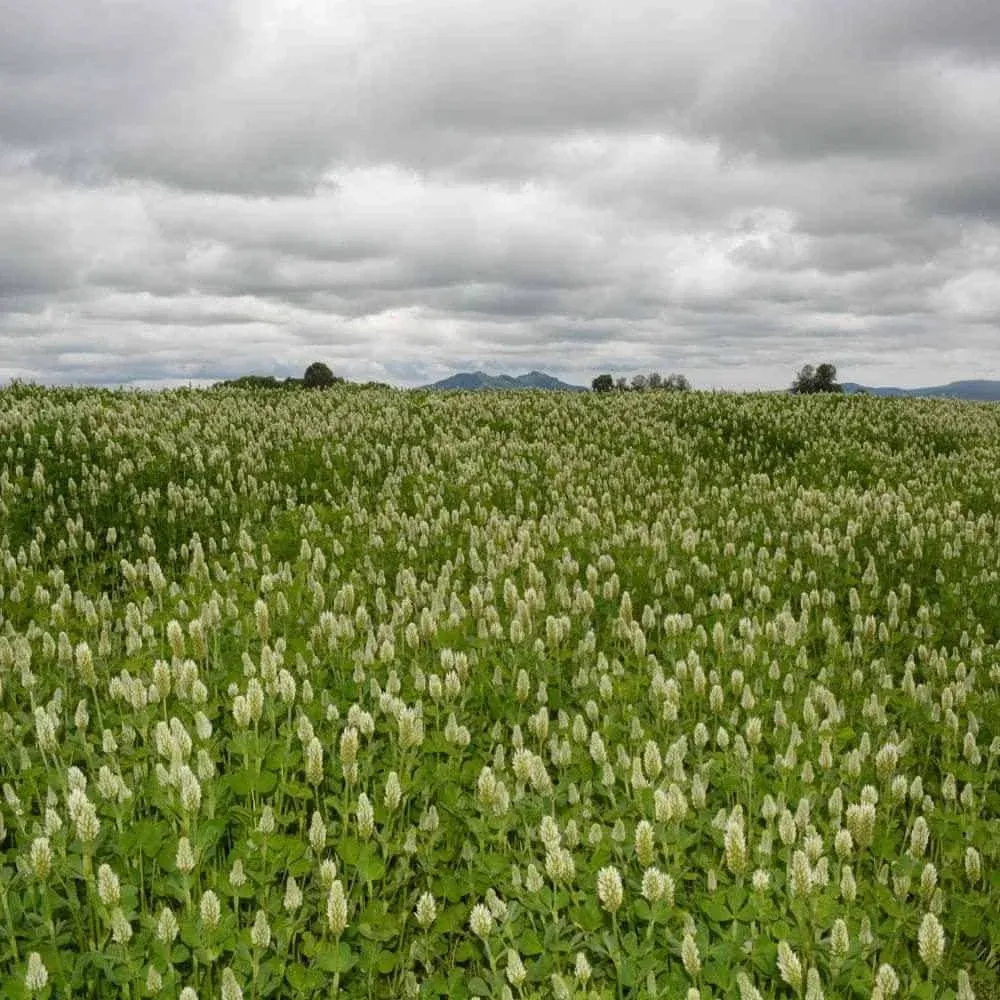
530,695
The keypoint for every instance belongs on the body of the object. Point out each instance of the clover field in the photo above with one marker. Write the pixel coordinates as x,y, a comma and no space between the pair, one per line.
382,694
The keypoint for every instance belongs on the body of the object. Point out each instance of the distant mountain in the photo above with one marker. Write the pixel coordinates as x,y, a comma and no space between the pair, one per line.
978,390
474,381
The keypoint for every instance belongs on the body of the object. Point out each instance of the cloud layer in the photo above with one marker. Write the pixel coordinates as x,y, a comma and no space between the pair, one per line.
729,188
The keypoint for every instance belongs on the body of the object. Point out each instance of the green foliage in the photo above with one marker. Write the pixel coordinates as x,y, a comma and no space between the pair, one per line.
259,382
643,383
485,639
822,378
319,376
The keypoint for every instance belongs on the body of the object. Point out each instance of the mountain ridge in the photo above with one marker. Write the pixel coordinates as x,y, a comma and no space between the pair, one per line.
479,381
976,390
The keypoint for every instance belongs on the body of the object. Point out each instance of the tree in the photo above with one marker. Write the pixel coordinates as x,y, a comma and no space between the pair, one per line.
676,383
804,380
621,383
319,376
810,380
826,379
639,383
654,380
603,383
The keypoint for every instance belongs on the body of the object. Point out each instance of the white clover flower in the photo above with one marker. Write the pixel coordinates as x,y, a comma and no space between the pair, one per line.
481,921
410,728
210,910
645,843
498,908
861,822
108,886
327,873
121,929
202,726
167,927
814,985
237,876
53,822
548,832
561,990
657,886
40,858
789,966
45,731
37,976
609,889
516,972
886,981
154,981
241,712
81,717
314,761
84,816
931,941
260,932
533,880
840,939
800,876
430,819
293,895
690,958
426,911
928,879
230,988
843,843
317,833
735,842
899,789
746,987
365,817
581,969
560,866
336,908
787,830
865,936
190,790
848,886
919,838
393,792
968,796
964,990
185,856
973,865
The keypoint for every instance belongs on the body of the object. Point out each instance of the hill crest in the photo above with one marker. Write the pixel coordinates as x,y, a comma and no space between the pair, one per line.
477,381
981,390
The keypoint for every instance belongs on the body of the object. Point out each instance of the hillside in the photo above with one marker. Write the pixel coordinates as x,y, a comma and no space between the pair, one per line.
475,381
979,390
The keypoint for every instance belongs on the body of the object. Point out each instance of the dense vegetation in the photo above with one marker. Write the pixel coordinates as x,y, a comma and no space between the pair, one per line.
399,694
317,376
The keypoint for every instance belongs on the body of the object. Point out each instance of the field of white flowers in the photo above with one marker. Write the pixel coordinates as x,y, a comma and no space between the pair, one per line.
506,695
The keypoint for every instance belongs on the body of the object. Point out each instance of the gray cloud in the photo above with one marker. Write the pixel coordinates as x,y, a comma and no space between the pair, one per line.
189,191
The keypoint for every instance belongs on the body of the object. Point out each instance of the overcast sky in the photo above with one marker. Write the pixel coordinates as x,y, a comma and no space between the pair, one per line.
192,189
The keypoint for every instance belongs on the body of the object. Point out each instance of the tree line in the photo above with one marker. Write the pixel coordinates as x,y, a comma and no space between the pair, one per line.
641,383
808,380
317,376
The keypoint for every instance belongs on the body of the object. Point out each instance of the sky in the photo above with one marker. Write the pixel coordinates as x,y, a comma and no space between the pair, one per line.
197,189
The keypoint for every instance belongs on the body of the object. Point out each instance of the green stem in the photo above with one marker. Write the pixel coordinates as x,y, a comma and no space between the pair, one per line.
10,926
616,958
